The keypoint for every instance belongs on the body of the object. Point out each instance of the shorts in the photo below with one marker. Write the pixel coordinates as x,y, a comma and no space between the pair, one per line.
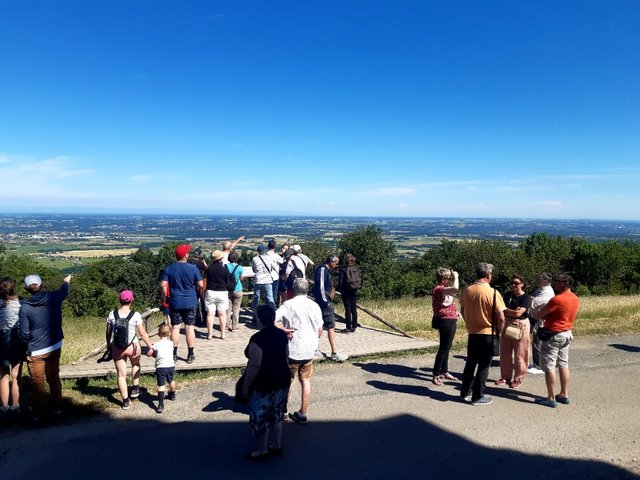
304,369
164,375
267,409
215,300
328,318
12,350
133,350
183,315
555,351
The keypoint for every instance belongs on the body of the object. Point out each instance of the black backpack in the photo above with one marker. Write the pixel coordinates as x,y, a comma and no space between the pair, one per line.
295,273
121,329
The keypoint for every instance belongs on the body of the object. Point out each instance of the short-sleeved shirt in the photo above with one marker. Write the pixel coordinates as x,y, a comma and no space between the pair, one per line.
237,274
134,321
164,353
277,261
305,317
443,304
512,302
301,261
218,277
563,309
262,266
183,279
9,314
540,298
477,301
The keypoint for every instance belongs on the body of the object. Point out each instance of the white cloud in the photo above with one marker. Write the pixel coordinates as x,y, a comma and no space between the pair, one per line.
386,192
25,177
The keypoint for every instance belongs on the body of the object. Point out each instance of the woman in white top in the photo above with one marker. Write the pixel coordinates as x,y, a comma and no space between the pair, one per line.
12,349
127,345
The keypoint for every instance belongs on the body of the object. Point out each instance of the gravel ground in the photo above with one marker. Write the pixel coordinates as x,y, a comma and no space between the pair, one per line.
379,418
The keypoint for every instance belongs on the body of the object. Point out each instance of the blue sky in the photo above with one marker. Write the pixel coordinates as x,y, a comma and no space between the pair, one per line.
408,108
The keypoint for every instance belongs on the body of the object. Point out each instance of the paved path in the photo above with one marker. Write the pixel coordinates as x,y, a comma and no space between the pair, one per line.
381,419
226,353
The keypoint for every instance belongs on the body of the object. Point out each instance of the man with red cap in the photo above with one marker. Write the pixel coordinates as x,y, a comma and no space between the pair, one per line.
185,283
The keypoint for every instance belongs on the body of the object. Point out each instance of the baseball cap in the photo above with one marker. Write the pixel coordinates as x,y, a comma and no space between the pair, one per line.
126,296
296,248
32,279
182,250
261,248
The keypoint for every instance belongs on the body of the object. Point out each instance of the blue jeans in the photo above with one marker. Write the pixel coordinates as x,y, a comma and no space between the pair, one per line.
274,291
260,290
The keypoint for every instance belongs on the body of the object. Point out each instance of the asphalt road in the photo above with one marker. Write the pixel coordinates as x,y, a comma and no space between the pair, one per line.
379,419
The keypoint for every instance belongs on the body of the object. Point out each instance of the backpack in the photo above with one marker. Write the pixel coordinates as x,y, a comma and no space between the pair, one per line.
121,329
354,280
295,273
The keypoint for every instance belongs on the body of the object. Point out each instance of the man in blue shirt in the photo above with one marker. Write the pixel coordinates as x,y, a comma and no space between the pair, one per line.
323,293
185,285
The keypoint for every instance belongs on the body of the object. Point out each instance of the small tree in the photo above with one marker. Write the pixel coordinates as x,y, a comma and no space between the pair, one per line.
375,258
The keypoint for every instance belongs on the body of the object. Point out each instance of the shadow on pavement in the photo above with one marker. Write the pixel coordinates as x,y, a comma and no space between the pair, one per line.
626,348
398,447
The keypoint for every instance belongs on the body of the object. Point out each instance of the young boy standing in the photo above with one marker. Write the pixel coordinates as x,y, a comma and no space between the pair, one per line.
162,351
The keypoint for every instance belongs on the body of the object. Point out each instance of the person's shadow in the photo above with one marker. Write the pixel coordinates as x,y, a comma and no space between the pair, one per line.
625,348
224,401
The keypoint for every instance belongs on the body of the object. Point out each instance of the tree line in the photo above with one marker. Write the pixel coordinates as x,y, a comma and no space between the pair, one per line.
599,268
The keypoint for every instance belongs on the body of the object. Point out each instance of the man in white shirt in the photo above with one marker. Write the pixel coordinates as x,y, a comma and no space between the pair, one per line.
301,317
541,296
275,272
262,265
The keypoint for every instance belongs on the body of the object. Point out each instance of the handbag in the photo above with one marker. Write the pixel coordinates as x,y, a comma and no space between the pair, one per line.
435,322
495,335
513,332
238,397
544,334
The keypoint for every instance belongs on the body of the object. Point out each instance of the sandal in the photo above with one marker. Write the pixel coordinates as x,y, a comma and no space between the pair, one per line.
516,384
448,376
437,380
501,381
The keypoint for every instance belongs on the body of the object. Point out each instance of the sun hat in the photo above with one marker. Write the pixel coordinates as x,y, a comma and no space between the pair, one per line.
217,255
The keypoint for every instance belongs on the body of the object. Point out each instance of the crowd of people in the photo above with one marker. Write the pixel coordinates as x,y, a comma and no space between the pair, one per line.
290,325
506,327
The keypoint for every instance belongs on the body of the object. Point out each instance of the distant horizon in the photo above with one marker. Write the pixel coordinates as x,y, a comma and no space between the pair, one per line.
301,215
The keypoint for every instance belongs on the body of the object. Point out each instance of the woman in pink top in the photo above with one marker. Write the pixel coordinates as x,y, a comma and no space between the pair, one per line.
445,318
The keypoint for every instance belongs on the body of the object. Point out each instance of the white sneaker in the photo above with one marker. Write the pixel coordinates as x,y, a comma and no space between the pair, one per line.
533,370
338,357
318,355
